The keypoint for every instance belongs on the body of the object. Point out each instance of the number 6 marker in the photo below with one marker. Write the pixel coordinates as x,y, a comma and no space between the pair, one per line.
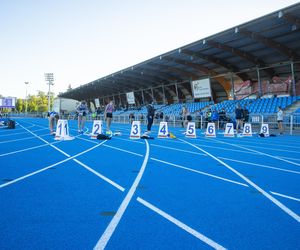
210,130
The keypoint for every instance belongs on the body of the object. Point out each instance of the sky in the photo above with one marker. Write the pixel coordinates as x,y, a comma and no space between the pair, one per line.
83,40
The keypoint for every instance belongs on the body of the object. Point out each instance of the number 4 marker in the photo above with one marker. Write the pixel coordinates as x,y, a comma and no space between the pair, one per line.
163,130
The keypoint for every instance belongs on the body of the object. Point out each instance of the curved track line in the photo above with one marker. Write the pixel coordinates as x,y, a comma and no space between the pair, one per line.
271,198
257,152
55,164
118,216
183,226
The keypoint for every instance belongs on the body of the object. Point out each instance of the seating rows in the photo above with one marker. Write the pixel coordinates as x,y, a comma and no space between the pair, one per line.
262,105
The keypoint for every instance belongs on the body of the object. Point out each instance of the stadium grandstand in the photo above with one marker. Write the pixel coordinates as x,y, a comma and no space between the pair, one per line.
256,64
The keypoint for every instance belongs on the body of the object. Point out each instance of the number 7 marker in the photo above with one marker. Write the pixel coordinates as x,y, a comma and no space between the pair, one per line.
229,130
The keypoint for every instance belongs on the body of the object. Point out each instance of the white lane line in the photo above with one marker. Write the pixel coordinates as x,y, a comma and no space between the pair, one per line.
285,196
116,148
269,148
257,152
199,172
64,153
180,224
160,146
271,198
123,150
177,149
259,165
116,219
100,175
289,158
27,149
55,164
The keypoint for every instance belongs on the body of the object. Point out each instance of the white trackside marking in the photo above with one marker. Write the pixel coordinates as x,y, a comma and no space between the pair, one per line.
271,198
100,175
285,196
116,219
43,169
200,172
185,227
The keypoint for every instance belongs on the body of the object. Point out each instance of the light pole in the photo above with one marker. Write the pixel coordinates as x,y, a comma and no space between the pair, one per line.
49,79
26,83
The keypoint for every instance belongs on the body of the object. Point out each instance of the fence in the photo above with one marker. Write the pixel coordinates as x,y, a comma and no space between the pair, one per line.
291,122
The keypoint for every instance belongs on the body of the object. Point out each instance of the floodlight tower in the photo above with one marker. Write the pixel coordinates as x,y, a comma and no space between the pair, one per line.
50,81
26,83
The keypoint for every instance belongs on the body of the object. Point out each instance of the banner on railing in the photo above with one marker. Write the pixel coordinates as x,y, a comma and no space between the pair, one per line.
201,88
130,98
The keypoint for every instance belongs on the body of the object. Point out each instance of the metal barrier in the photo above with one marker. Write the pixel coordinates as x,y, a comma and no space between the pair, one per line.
291,122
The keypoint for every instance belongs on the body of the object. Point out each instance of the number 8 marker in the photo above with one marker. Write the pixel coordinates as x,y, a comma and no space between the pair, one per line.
247,130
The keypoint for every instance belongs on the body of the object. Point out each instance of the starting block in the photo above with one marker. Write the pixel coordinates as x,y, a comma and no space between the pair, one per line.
62,131
97,129
135,132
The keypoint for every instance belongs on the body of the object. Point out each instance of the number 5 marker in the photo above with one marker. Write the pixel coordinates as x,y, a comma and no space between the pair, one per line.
191,130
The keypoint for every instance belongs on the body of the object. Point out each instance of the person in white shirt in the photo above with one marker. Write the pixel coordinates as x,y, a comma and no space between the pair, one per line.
280,120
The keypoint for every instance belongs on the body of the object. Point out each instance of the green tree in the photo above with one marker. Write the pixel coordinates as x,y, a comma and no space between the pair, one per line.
19,105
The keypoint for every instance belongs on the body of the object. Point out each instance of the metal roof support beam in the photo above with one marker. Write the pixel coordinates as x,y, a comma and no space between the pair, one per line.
181,72
290,18
259,83
270,43
243,54
293,79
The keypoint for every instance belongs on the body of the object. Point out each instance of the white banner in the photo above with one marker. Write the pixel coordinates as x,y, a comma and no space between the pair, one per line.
130,98
201,88
97,102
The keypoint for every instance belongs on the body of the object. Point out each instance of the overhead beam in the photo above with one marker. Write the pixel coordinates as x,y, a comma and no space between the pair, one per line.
270,43
217,61
243,54
181,72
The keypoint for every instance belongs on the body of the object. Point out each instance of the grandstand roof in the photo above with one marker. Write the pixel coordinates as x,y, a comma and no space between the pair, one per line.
265,43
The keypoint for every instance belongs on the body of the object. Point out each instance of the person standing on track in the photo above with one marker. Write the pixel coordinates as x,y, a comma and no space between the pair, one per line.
82,111
280,120
150,116
239,116
108,115
53,118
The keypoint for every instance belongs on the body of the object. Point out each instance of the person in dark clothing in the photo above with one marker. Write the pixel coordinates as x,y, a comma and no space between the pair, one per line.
246,115
150,116
239,116
222,117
